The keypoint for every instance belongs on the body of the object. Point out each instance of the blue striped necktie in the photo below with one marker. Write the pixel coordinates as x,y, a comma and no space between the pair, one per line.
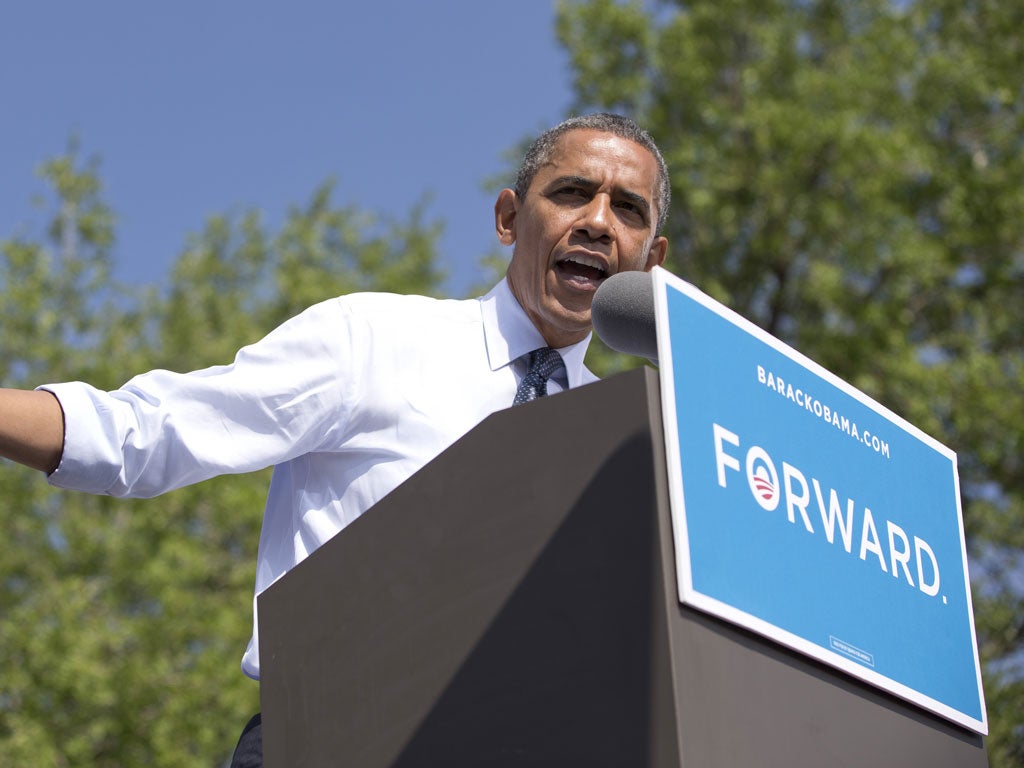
543,362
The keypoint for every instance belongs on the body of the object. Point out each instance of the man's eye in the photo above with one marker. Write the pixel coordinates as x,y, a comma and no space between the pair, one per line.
572,192
631,209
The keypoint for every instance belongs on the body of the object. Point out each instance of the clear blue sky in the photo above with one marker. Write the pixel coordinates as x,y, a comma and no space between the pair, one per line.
197,108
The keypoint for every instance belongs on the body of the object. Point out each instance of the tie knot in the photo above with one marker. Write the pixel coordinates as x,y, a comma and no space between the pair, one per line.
542,363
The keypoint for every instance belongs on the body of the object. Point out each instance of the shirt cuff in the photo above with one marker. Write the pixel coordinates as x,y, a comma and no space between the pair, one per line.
91,457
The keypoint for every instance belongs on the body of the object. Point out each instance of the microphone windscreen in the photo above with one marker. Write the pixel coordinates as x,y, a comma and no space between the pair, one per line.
623,314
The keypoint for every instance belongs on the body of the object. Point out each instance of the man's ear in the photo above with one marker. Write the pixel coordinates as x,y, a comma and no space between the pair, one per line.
505,216
656,256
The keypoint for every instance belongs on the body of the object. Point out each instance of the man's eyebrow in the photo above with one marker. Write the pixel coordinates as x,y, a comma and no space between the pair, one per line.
578,181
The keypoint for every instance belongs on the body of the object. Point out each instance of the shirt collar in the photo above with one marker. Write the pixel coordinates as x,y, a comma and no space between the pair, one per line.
510,334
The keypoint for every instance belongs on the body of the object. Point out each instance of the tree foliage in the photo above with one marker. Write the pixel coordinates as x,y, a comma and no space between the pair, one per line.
850,176
122,622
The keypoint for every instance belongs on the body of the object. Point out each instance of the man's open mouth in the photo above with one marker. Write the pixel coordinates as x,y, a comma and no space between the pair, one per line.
583,266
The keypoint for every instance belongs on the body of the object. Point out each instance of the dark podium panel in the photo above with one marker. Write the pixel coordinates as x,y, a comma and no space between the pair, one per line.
514,604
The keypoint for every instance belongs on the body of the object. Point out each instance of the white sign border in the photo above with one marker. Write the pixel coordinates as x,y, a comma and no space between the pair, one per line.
662,280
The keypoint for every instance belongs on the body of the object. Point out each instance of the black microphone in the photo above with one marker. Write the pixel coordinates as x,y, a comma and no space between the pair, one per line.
623,314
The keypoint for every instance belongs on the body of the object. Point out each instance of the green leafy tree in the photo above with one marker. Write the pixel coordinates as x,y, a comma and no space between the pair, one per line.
850,176
122,622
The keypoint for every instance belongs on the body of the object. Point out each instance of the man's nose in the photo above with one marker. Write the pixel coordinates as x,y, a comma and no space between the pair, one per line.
596,220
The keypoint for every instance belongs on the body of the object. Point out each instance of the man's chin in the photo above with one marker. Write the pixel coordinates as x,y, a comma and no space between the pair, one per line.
567,325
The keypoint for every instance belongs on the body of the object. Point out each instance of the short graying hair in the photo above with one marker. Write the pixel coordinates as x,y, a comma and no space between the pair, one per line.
543,146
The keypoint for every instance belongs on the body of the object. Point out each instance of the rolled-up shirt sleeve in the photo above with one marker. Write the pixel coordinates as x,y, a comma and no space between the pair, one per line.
281,397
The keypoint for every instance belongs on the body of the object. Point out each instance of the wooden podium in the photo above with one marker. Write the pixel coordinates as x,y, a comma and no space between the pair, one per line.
514,603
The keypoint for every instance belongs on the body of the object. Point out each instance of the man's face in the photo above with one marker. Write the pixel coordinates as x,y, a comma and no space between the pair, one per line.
588,214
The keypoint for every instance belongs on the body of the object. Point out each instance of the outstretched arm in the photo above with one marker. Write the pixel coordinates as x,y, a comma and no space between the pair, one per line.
31,428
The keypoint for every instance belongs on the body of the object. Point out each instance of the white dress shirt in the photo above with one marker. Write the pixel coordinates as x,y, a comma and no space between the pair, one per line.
347,400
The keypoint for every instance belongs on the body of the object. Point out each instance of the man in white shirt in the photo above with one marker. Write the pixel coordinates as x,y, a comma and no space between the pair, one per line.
355,394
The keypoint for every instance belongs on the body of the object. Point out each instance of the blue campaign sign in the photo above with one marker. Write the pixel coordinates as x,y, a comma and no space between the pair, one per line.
807,512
